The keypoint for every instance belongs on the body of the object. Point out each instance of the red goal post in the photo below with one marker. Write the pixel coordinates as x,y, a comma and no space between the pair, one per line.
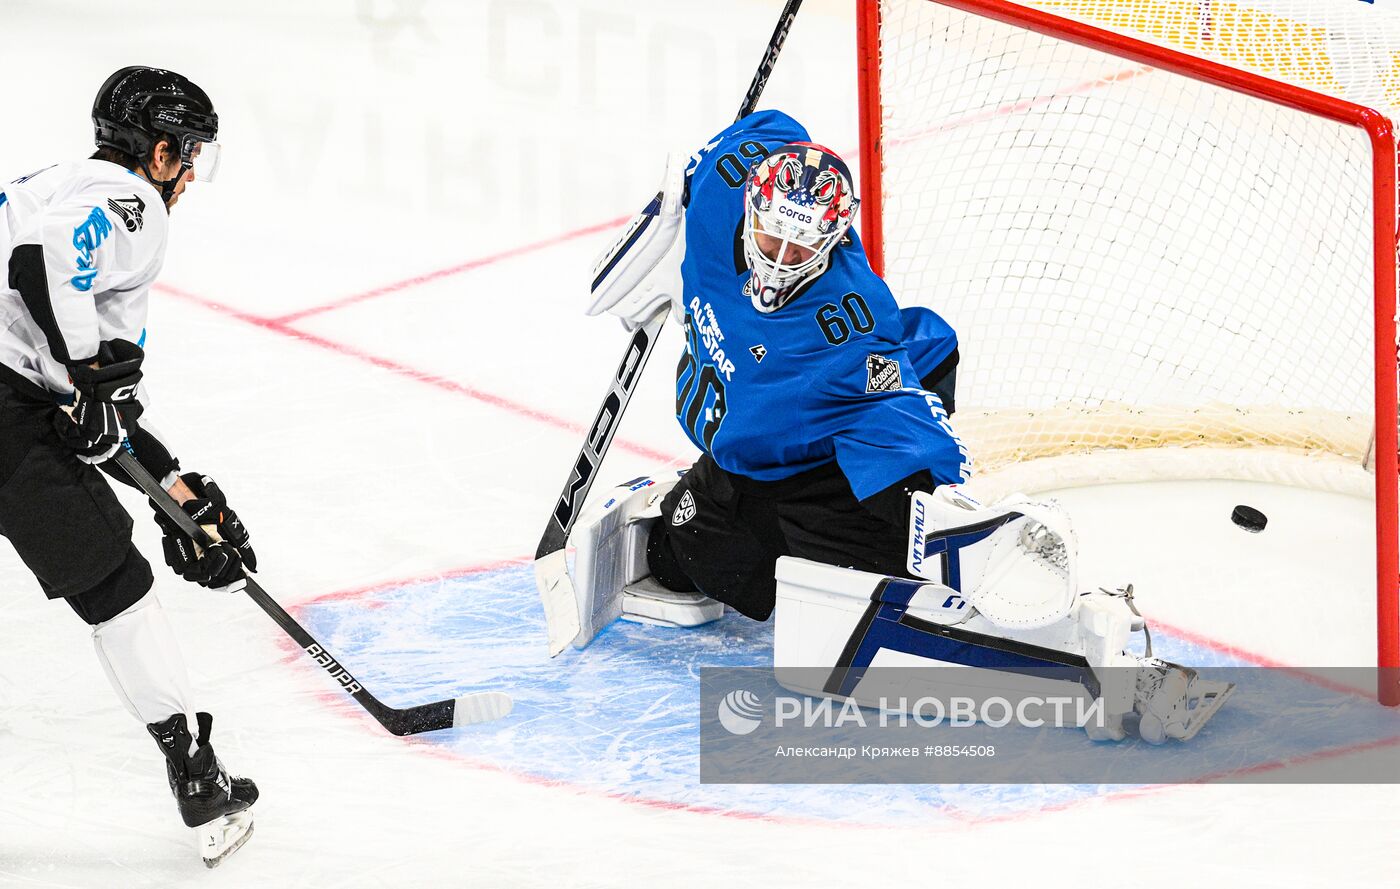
934,143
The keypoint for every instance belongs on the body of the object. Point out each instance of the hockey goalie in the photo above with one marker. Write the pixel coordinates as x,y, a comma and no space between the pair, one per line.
828,481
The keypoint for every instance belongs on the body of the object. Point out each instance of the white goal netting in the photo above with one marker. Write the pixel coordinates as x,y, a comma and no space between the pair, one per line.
1135,259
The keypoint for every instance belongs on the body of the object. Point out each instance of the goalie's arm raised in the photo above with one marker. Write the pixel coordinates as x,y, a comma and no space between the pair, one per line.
641,272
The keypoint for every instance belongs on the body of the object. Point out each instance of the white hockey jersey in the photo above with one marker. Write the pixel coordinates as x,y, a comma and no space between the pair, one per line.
100,231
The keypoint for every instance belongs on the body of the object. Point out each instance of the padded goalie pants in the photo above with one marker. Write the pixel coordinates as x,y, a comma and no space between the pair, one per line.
722,533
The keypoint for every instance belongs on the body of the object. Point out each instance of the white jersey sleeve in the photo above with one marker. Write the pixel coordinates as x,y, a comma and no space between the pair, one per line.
83,243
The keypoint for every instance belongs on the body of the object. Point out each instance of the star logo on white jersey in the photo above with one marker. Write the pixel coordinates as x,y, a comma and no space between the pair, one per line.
758,352
685,510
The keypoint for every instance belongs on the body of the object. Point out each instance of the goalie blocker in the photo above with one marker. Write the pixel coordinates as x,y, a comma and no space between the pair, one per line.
998,598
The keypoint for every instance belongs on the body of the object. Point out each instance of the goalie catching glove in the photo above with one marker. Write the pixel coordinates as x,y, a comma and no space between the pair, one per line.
641,272
220,566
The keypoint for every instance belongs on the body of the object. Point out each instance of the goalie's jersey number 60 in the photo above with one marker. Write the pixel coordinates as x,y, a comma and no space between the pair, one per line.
700,399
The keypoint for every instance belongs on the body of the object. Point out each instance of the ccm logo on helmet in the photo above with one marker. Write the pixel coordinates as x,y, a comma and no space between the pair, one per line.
788,211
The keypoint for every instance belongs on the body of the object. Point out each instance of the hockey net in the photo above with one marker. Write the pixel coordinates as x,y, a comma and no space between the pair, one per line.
1165,231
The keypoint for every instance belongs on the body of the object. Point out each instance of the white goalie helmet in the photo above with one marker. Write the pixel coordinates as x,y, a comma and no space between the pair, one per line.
798,204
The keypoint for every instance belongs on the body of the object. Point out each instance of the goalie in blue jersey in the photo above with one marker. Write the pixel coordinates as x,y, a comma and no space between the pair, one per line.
821,409
818,403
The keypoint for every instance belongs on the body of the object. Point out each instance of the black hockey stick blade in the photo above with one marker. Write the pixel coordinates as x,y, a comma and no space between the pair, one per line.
466,710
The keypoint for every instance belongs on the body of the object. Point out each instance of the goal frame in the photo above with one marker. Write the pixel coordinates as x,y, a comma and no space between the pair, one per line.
1386,226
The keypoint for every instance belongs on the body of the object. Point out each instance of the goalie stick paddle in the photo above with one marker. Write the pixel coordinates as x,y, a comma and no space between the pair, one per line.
551,566
551,569
466,710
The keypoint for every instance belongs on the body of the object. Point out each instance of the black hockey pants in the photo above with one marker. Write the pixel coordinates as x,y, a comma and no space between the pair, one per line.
722,533
60,514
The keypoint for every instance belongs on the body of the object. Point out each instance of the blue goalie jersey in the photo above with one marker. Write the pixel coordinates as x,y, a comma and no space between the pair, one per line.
833,374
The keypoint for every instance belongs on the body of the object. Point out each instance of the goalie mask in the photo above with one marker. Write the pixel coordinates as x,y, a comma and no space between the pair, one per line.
798,204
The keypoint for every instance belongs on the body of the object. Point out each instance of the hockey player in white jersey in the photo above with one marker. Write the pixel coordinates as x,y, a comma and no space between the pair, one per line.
81,244
820,409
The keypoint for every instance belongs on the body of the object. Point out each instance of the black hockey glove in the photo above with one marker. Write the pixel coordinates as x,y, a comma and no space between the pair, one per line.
220,566
107,409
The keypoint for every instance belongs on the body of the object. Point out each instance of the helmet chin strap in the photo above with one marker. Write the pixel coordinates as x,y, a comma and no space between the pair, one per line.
167,186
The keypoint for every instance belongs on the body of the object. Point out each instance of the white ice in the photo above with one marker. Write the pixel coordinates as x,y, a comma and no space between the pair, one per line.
427,429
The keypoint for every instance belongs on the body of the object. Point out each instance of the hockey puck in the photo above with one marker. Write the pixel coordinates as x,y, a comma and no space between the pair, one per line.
1249,518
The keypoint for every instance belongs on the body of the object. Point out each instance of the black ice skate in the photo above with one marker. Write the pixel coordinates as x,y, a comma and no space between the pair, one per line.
211,801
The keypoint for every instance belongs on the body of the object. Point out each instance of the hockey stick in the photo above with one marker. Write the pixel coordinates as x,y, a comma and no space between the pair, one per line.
466,710
551,568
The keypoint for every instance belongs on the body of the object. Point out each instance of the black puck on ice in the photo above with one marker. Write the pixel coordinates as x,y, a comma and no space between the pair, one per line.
1249,518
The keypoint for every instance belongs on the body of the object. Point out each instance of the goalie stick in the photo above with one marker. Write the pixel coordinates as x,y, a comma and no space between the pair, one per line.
466,710
551,567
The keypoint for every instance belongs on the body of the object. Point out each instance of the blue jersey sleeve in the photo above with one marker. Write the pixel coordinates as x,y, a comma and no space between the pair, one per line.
884,427
724,162
928,339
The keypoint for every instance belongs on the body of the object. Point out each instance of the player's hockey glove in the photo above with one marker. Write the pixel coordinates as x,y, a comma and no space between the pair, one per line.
220,566
106,410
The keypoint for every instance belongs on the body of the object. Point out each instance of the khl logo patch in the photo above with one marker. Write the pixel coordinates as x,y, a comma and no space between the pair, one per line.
685,510
882,374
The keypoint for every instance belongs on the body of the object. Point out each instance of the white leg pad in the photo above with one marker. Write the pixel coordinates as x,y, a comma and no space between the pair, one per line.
611,551
138,651
822,610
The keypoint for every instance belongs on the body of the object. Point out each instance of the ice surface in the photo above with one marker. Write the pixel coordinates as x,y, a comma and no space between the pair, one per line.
395,459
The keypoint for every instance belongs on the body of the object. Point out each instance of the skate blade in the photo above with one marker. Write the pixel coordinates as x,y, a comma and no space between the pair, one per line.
646,601
1207,698
224,836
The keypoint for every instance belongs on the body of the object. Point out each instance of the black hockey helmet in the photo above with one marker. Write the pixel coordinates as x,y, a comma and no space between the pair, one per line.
138,107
